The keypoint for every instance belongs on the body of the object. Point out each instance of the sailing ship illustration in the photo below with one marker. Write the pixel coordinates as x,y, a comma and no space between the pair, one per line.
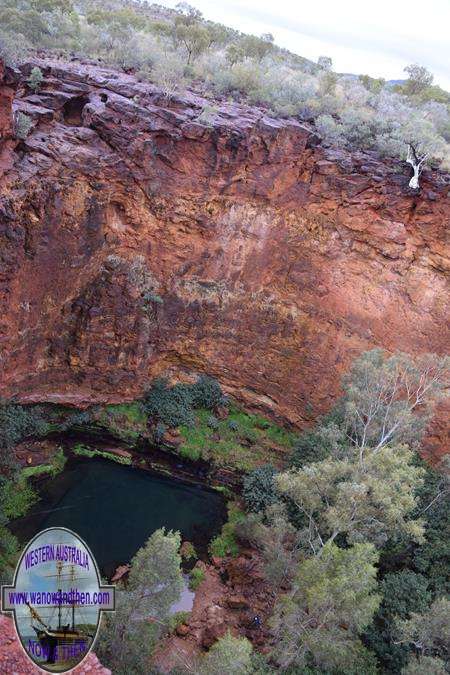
68,639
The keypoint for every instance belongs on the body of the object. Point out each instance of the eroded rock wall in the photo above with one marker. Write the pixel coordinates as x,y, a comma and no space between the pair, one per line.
277,261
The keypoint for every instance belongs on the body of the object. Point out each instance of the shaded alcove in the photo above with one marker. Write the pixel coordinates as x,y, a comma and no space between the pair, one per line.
73,110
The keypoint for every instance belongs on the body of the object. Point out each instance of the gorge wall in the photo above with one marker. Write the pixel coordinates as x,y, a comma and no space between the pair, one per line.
277,261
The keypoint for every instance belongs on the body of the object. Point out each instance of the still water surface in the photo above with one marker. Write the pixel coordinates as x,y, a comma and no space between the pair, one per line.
115,508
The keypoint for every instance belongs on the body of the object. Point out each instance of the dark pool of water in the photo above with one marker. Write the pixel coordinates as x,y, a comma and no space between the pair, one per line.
115,508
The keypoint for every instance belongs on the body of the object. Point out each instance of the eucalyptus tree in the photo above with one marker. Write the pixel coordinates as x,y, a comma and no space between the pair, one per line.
127,637
317,624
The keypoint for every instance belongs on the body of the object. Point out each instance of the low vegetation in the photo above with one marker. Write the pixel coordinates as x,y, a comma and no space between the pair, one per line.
226,542
56,465
177,619
83,451
196,577
126,422
240,441
179,48
173,406
17,497
22,125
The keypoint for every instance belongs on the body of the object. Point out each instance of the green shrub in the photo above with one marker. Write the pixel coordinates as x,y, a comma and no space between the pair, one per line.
189,551
226,543
22,125
35,79
9,549
174,406
207,115
196,577
13,48
177,619
213,422
206,393
314,445
259,488
17,497
149,299
18,422
160,430
78,420
170,405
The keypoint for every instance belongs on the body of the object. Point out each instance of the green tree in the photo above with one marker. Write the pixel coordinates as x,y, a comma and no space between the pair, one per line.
425,665
428,633
373,84
314,445
403,593
257,47
32,18
118,26
190,33
280,543
325,62
218,34
419,79
259,489
332,600
235,54
188,13
365,496
432,557
128,636
389,399
228,655
194,38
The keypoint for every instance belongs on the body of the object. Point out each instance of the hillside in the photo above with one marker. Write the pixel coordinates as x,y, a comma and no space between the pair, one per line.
178,50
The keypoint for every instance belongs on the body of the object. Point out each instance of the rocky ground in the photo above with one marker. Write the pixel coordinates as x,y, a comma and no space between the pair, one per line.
232,594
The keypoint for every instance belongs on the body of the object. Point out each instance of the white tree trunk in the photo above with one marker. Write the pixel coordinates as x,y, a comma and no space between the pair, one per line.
414,182
416,164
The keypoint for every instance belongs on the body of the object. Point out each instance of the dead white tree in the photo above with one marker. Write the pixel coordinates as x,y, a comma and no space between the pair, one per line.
417,165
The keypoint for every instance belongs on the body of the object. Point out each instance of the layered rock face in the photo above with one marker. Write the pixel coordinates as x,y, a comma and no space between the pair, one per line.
142,235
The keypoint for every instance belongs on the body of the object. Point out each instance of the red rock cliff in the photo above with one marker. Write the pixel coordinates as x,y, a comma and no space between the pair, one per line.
277,261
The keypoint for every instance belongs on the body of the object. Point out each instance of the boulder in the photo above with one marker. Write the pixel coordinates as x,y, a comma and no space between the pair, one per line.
237,602
182,630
